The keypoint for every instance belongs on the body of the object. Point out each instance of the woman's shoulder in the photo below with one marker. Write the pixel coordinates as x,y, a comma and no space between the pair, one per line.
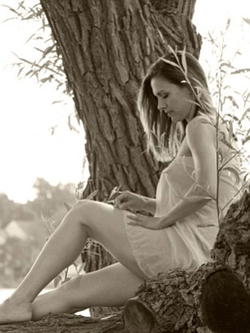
216,124
200,126
202,119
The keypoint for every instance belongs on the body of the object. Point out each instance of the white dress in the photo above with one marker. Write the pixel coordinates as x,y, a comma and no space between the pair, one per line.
187,243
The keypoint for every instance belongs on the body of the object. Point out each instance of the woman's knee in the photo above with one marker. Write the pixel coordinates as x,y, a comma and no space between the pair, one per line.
81,208
83,212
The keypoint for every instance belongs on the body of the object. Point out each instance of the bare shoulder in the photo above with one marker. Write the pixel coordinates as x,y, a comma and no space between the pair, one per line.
199,120
201,131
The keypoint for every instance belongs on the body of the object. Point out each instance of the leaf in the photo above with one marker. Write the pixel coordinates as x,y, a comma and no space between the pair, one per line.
36,48
231,132
80,268
170,62
225,63
9,19
92,195
66,280
220,155
212,39
57,280
114,192
20,71
246,20
246,140
245,179
240,71
228,23
171,50
31,37
233,116
184,60
245,113
45,79
75,265
58,102
48,50
221,136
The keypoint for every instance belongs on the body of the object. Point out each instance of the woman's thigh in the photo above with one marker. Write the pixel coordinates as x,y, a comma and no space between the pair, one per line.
106,225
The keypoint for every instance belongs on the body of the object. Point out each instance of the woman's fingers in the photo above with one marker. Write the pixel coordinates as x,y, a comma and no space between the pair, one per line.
122,201
137,220
144,221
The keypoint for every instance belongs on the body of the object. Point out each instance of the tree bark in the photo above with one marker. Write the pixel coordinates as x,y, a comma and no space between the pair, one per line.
107,47
69,324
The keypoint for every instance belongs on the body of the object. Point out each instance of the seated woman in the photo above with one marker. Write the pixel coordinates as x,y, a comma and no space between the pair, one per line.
178,115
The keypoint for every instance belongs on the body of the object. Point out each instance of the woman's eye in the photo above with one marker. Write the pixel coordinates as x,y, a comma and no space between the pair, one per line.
165,96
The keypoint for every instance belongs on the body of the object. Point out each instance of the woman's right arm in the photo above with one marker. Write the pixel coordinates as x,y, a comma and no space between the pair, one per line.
129,200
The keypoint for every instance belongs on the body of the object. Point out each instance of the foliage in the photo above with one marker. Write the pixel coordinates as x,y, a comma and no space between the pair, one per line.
47,64
51,199
16,258
17,255
12,211
45,61
230,89
230,84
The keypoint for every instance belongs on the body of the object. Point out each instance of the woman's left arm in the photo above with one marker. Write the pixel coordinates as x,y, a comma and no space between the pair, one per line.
201,139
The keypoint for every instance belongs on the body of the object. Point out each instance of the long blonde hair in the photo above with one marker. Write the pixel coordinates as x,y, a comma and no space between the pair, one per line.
165,136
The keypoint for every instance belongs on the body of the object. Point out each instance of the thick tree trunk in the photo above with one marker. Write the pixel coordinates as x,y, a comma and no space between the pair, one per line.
107,47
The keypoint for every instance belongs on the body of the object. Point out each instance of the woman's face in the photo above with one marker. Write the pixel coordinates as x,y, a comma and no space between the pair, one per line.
175,100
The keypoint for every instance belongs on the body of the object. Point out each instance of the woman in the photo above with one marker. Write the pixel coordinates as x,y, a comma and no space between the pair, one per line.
177,114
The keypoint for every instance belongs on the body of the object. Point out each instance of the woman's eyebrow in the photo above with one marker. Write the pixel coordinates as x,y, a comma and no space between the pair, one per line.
161,92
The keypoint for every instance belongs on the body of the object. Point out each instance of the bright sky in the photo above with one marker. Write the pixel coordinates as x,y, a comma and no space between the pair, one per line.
27,112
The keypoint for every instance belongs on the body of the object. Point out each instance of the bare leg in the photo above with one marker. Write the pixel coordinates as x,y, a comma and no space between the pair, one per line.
92,219
110,286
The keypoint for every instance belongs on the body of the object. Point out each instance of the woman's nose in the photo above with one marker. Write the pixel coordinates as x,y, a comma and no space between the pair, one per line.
161,105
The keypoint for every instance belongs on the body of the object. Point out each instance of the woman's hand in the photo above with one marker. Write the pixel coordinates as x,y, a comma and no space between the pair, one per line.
153,223
129,200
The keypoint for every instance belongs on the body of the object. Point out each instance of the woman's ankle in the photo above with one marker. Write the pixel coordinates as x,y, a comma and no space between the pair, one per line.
12,310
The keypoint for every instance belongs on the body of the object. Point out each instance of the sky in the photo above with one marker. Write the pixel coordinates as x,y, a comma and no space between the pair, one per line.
27,113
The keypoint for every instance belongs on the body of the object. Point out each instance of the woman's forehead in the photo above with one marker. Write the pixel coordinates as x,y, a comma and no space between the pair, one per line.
160,84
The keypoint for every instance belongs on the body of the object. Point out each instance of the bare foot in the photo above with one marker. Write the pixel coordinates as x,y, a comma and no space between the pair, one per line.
13,310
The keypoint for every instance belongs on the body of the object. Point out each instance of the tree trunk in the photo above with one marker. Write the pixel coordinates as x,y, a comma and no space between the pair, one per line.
107,47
